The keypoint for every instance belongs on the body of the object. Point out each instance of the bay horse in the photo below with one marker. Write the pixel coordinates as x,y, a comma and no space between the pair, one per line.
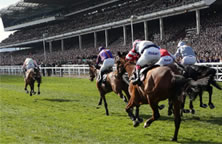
31,76
113,82
159,84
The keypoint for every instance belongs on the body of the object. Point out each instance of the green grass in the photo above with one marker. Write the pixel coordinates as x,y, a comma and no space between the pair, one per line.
65,112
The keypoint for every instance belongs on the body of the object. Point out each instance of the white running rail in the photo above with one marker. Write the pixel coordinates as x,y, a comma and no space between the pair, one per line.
83,70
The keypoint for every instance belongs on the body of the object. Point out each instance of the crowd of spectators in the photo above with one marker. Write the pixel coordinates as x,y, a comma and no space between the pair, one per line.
106,14
207,44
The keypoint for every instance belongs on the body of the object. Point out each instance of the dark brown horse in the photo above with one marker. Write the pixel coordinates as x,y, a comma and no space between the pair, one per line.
113,82
159,84
32,75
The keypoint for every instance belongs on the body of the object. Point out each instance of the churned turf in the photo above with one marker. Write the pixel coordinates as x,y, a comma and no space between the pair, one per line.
65,112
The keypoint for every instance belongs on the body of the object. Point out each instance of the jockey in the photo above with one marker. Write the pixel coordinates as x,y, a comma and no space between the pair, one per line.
166,58
28,64
106,57
186,53
146,52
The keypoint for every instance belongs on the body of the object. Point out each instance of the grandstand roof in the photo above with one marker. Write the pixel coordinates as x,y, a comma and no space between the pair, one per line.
62,2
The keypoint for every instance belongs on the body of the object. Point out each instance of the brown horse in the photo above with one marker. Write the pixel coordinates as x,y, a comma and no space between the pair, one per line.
32,75
159,84
113,82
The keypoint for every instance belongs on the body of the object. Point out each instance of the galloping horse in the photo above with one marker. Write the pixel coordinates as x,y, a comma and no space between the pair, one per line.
197,72
113,82
32,75
159,84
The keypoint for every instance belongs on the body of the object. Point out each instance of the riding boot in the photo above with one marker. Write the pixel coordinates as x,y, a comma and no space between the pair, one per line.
100,78
137,78
24,73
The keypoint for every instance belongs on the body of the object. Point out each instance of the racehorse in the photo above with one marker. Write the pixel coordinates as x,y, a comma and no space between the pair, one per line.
113,82
160,83
32,75
196,72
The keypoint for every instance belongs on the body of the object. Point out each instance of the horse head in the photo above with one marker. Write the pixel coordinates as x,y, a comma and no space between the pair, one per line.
124,65
92,72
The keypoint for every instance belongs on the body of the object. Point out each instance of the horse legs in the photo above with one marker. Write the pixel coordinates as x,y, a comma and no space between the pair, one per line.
129,110
137,120
105,104
38,88
26,87
177,118
210,91
201,101
170,107
155,115
100,101
122,97
191,107
182,106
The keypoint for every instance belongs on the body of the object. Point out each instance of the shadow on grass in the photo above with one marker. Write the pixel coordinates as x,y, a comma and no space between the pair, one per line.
212,120
56,100
191,141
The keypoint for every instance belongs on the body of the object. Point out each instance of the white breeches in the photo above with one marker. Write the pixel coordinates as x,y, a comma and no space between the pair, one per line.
188,60
149,57
29,66
107,64
165,60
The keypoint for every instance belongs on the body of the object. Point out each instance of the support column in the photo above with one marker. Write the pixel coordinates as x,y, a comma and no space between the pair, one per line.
50,46
43,41
198,21
95,40
145,30
124,35
62,45
161,28
106,37
80,42
132,34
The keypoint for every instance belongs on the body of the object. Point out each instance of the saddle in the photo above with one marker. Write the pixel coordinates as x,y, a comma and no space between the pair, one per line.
105,75
143,72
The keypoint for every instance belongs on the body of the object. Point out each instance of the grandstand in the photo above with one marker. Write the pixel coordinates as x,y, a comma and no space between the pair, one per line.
70,31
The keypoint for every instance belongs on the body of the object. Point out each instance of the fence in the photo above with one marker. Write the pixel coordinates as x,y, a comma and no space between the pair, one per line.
83,70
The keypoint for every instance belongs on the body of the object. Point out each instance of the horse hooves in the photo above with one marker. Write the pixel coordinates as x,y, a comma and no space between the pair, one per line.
211,106
161,107
38,93
192,111
140,120
203,105
30,94
174,139
186,111
170,113
146,125
136,123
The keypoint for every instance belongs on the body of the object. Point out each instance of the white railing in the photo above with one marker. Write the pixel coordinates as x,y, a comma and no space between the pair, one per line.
65,70
217,66
83,70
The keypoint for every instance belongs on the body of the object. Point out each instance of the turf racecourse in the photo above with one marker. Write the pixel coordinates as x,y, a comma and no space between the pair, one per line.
65,112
